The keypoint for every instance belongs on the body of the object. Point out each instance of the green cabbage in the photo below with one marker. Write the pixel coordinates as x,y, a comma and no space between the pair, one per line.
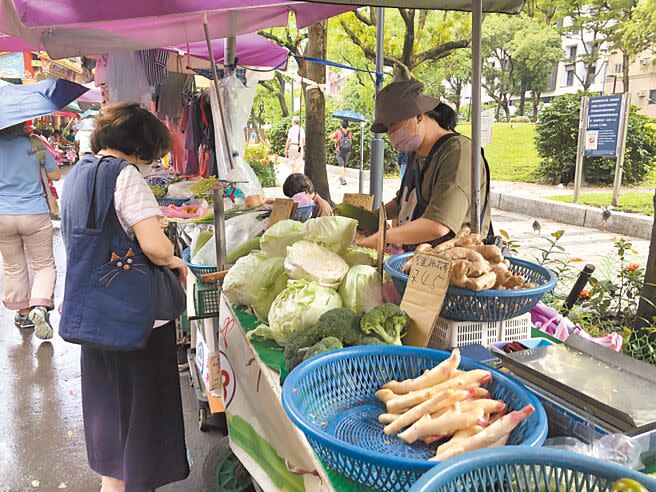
334,232
357,255
298,306
310,261
269,279
238,282
276,238
362,289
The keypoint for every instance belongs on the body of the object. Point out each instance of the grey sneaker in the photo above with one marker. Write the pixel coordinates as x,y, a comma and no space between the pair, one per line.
41,320
23,322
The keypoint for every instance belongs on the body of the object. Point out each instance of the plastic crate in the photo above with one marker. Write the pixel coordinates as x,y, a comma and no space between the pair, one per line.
206,300
448,333
330,397
526,470
485,305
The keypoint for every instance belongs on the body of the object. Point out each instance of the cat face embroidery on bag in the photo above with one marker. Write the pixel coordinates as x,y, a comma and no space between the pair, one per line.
122,264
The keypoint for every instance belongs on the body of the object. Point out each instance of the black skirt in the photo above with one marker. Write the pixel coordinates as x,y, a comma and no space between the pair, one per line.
132,408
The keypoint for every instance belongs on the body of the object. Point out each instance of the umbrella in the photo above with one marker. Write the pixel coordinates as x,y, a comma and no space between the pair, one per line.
347,114
87,124
90,113
92,95
19,103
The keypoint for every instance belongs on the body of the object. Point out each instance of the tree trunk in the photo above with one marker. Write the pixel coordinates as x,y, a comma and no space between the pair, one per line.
646,315
281,95
315,112
498,112
625,72
522,101
506,108
536,103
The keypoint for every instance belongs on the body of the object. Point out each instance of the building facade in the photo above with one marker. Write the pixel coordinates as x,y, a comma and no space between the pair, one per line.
642,80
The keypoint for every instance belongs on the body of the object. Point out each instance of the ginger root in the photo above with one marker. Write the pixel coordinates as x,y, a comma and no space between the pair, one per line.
468,241
452,242
463,254
483,282
477,269
459,273
490,252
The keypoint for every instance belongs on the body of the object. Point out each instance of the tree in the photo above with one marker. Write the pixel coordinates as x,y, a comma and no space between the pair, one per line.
412,37
498,70
278,88
543,11
536,49
457,74
590,22
646,315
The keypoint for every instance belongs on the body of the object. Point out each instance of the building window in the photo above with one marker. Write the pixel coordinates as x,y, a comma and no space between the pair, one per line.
652,96
617,68
570,78
571,53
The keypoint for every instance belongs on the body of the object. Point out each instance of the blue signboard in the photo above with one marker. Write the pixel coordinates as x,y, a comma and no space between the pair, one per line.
602,131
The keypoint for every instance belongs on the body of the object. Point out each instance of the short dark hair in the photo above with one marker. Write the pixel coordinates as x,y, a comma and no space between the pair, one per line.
18,130
131,129
445,116
295,183
57,132
344,123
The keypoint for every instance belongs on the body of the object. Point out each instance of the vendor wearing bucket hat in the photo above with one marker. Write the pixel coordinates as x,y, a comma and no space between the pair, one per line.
435,196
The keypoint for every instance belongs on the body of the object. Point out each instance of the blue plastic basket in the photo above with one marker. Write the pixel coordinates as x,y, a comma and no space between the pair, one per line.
197,270
485,305
330,397
303,212
165,202
526,470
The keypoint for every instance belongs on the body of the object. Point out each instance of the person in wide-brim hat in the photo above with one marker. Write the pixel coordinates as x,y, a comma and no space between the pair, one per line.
435,196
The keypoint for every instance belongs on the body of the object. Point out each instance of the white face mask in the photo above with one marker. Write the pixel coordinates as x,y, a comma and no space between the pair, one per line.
405,141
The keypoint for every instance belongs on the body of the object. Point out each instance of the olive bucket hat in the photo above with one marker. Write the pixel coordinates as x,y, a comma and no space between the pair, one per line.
400,101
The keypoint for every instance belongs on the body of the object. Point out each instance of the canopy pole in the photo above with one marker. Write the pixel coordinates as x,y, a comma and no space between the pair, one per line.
361,180
229,55
377,144
219,217
477,19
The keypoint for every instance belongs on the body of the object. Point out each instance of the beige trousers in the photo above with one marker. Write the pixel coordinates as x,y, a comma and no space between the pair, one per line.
31,233
296,159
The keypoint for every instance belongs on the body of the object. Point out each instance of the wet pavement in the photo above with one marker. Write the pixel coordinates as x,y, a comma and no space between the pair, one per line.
41,431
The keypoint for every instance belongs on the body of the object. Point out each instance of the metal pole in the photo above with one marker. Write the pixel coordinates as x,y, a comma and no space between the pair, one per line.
477,20
621,147
292,96
361,182
580,148
229,55
377,144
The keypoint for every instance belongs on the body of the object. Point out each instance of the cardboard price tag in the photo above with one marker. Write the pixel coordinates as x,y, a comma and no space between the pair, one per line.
362,200
282,209
424,295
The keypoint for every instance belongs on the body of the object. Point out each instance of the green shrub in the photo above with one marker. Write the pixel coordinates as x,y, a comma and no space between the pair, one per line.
258,157
277,135
556,141
520,119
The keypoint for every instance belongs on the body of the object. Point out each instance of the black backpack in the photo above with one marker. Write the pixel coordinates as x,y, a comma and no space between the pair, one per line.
345,142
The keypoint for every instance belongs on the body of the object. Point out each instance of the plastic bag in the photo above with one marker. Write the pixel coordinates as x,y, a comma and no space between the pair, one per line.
616,448
238,230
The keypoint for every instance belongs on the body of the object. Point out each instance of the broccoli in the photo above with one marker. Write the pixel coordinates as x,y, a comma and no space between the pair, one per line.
326,344
371,341
387,322
339,323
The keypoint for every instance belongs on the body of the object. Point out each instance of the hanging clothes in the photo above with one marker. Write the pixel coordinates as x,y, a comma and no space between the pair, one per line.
172,95
126,79
155,65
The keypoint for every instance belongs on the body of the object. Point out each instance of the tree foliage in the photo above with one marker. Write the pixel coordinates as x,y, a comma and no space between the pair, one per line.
556,142
412,37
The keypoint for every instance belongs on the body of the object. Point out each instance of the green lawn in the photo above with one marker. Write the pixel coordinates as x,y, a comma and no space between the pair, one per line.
511,155
635,202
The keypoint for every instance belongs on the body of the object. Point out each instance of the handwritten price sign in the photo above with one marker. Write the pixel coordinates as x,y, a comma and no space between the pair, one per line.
424,295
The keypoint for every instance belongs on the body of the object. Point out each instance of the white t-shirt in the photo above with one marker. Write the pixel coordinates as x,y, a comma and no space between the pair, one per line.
84,139
134,202
296,135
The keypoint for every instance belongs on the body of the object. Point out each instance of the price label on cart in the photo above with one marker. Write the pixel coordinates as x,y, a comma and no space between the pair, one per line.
362,200
282,209
424,295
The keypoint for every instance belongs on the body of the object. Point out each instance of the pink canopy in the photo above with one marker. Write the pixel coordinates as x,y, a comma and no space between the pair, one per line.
80,27
253,50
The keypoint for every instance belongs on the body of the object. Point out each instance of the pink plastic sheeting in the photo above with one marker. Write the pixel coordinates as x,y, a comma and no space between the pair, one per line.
253,50
14,44
80,27
92,95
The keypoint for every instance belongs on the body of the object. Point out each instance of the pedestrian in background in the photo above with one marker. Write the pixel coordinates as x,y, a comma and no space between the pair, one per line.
295,144
343,139
25,225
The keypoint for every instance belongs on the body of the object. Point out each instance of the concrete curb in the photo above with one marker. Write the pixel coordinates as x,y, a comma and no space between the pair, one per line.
579,215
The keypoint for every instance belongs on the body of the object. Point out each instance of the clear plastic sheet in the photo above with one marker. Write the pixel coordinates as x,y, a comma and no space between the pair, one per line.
615,448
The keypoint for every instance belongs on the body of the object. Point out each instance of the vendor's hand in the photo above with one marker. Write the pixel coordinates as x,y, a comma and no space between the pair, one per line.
367,242
179,265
